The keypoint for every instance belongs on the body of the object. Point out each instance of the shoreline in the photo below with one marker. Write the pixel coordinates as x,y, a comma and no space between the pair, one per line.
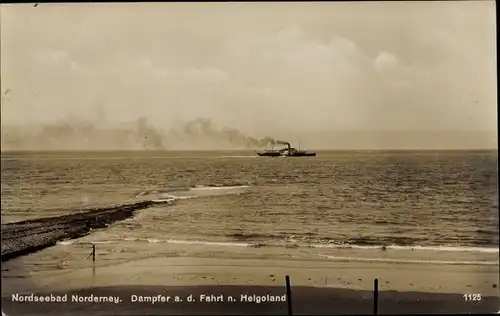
32,235
319,286
29,236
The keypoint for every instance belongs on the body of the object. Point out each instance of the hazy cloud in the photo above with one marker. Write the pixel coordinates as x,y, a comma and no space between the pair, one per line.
265,68
386,60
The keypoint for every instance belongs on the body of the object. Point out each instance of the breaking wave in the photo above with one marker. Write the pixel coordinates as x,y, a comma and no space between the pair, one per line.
173,194
287,245
370,242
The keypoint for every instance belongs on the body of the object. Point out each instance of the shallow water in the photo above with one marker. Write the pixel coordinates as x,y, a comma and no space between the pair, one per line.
336,205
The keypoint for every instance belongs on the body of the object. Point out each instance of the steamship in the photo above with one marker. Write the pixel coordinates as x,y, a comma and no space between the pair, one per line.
288,151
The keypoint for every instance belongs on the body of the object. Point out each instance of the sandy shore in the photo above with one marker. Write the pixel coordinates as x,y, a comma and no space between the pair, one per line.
317,286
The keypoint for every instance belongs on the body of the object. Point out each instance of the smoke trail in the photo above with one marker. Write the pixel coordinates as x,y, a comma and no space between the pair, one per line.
81,135
204,127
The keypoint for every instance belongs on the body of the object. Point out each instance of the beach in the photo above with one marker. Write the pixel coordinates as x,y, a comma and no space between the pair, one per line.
317,287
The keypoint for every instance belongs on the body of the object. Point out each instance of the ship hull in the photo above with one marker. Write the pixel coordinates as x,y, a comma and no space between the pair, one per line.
286,152
278,154
300,154
269,154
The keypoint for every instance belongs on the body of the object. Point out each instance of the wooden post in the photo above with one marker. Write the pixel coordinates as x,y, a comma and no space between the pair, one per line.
288,294
93,263
375,297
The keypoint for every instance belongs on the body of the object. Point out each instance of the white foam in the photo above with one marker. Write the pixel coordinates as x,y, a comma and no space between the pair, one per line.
188,242
104,242
200,188
208,243
236,244
420,248
168,241
172,198
65,242
488,263
191,193
184,197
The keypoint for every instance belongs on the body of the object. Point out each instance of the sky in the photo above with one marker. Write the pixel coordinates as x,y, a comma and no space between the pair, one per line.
349,75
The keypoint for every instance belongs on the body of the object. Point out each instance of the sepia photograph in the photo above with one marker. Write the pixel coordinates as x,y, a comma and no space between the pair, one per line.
239,158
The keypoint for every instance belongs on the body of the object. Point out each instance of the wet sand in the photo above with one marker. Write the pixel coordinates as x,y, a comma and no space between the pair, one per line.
21,238
318,287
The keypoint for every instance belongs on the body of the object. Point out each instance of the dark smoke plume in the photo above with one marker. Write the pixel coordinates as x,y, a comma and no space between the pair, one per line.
204,128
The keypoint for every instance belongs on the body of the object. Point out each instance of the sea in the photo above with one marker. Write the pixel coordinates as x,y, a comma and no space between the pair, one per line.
407,206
